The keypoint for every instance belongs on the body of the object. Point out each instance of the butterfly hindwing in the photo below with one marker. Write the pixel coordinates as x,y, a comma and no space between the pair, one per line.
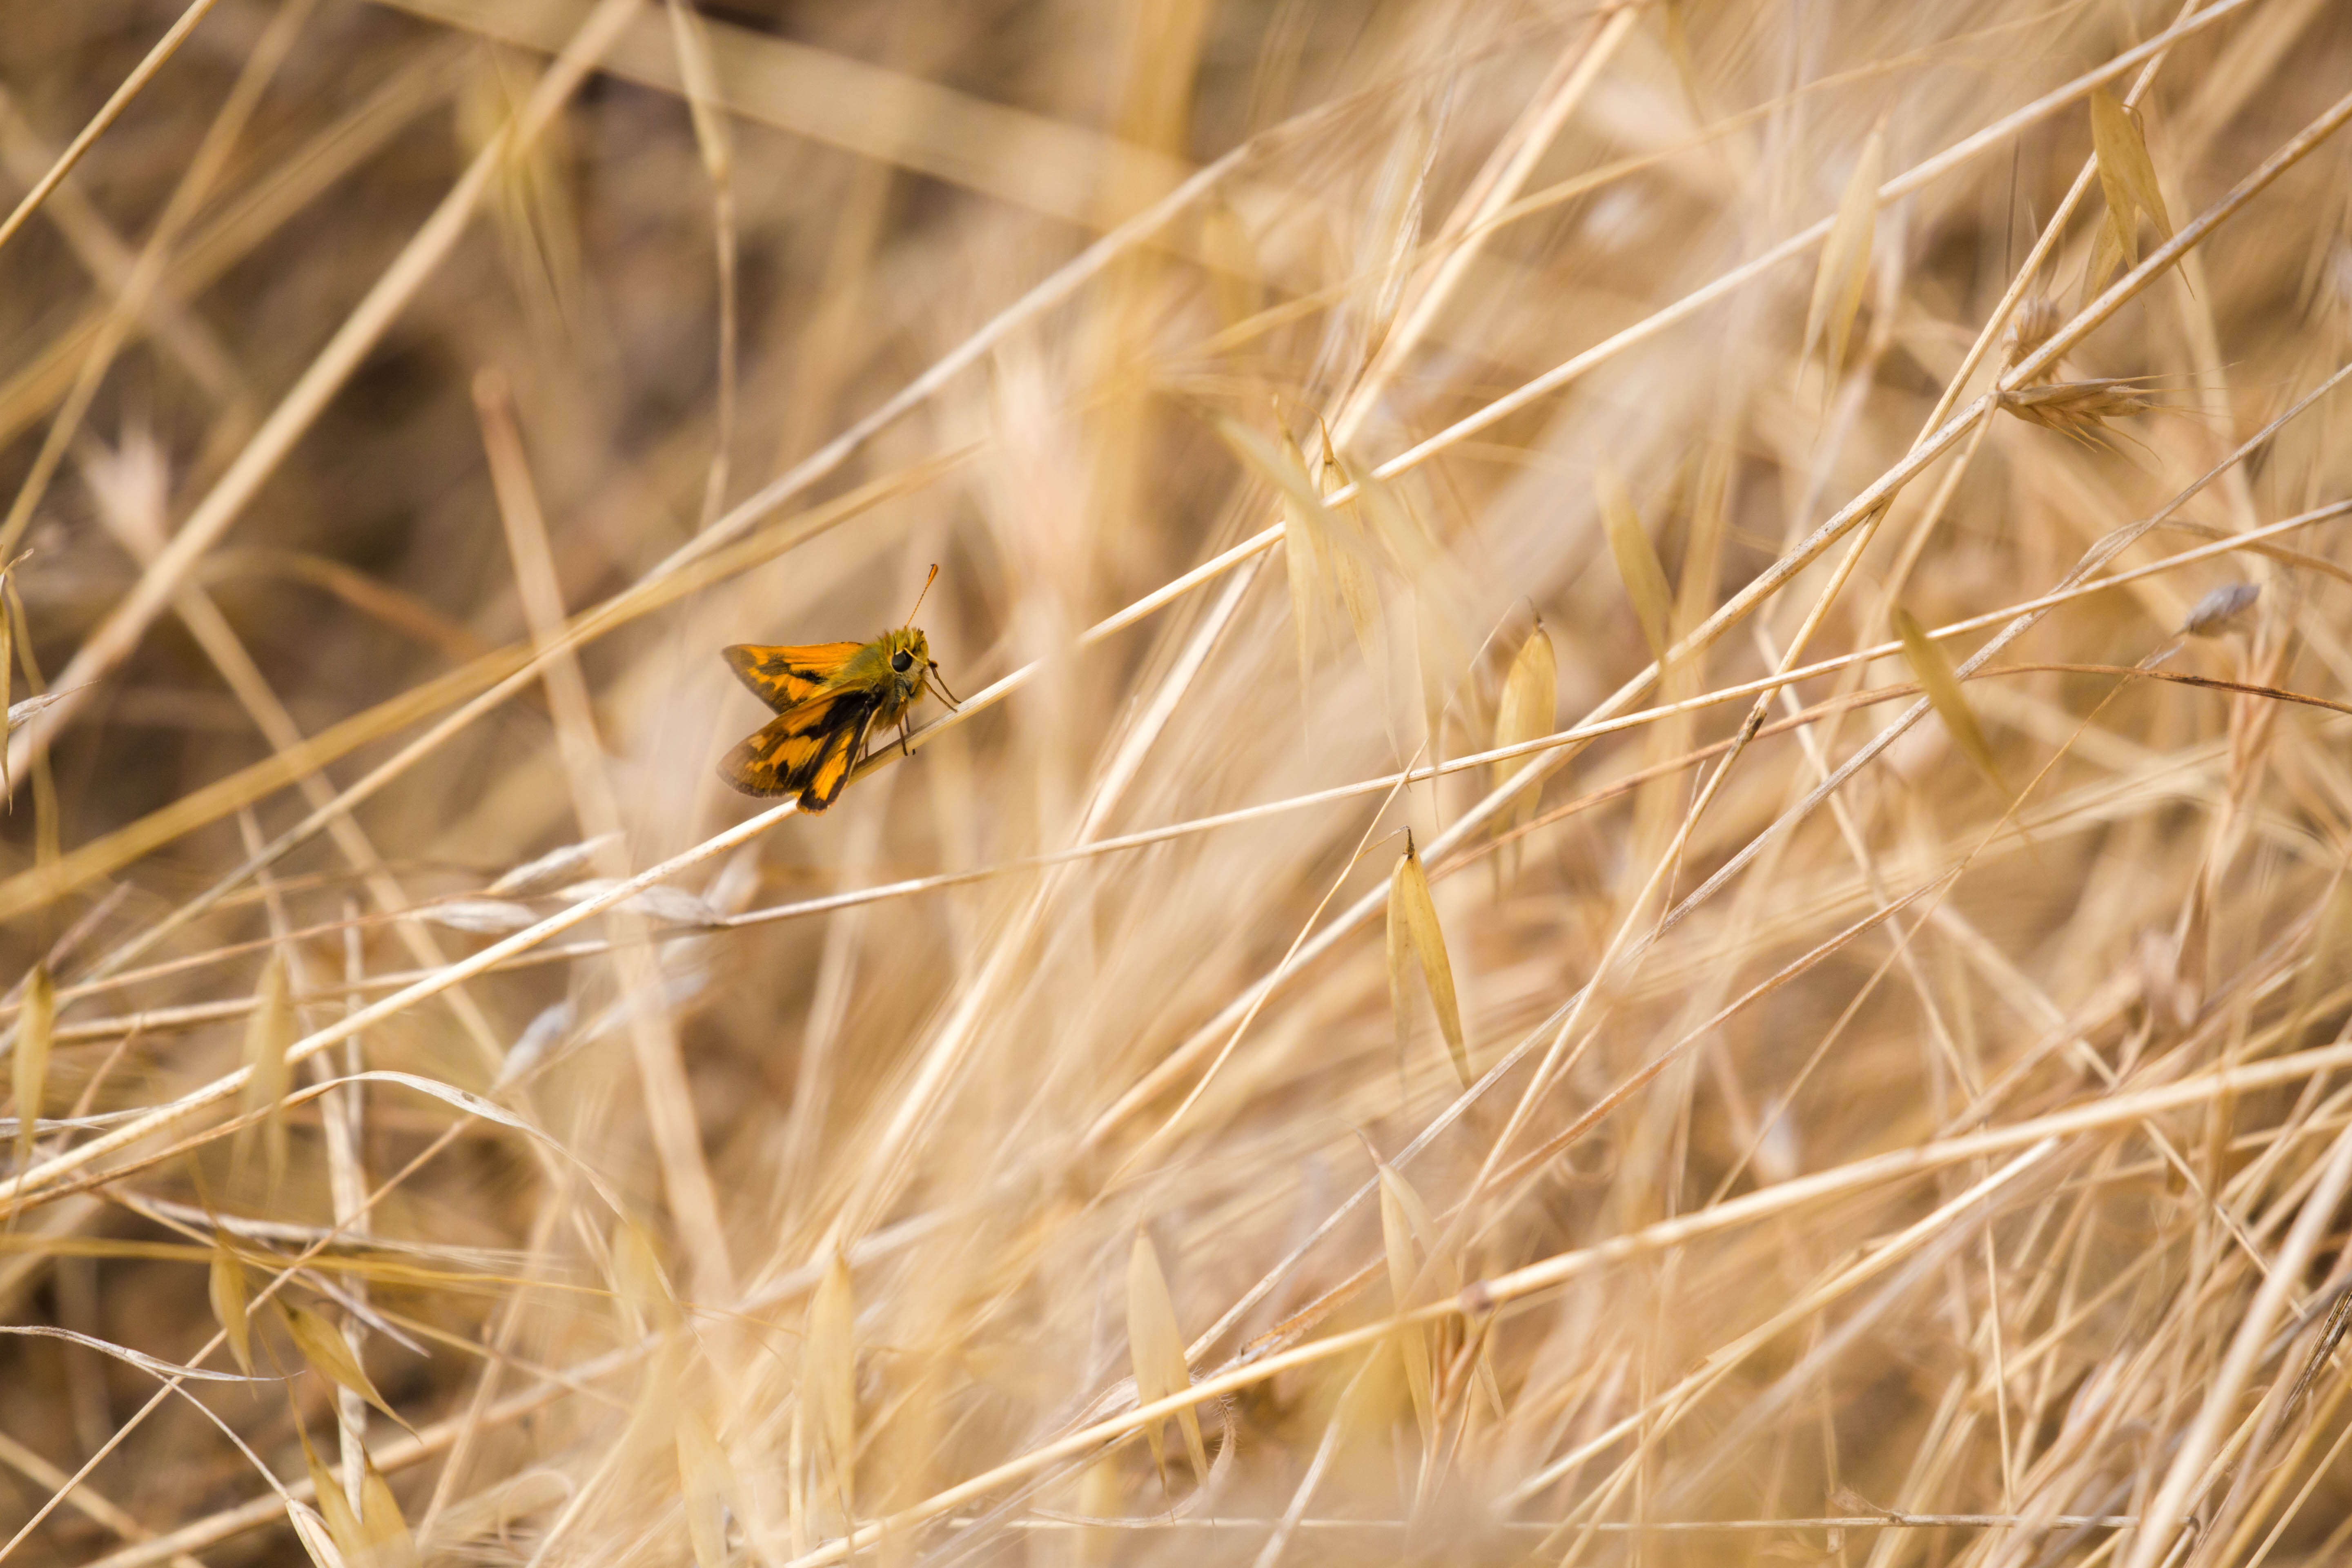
835,759
806,750
785,676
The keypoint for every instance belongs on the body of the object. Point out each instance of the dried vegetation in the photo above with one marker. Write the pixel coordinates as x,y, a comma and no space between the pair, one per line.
1645,861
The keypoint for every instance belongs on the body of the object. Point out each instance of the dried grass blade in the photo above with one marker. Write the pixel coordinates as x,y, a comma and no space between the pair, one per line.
36,1028
153,1366
1404,1231
708,1483
1234,267
1100,1496
1324,560
268,1033
1397,535
335,1511
1844,266
317,1537
1934,673
2107,260
388,1542
1305,561
1157,1348
640,1285
227,1287
1351,572
1637,561
1529,708
1413,926
700,78
7,684
2127,174
329,1355
2329,938
829,1375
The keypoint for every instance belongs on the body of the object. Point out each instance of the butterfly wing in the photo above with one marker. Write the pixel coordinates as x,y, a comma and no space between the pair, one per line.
784,677
807,749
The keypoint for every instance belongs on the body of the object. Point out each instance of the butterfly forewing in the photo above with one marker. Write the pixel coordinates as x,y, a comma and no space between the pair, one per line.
784,677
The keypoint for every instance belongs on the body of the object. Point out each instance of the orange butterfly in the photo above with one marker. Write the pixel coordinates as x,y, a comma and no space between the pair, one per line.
828,697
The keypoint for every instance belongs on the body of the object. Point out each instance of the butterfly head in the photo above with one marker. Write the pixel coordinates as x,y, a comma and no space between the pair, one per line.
906,657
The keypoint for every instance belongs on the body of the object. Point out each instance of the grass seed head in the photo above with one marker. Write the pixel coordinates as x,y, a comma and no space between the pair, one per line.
2221,610
829,1377
1637,561
2080,410
1528,711
2037,319
2126,173
1406,1233
225,1287
270,1030
1844,267
1155,1347
326,1350
344,1529
1932,668
388,1542
1416,942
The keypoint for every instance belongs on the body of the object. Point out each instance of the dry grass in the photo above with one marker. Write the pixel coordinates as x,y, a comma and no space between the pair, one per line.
1912,1115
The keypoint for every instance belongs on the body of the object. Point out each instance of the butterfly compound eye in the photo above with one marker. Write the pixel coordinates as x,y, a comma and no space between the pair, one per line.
902,661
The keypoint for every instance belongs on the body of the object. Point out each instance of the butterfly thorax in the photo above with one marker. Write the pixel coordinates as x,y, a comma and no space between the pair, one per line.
892,668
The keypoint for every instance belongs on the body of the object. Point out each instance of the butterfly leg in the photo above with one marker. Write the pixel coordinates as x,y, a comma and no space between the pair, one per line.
902,736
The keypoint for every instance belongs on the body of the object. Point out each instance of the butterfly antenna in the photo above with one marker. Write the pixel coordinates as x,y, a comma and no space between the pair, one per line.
919,599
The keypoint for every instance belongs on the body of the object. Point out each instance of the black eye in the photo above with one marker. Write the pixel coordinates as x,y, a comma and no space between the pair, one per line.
902,661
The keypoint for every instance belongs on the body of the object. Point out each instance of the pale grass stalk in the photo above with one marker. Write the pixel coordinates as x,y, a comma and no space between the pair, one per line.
1486,1295
1496,187
1063,282
26,1182
106,647
250,217
1058,287
174,1017
109,112
449,1435
167,1547
669,1106
1861,508
2048,355
140,530
2182,1480
85,1499
112,261
130,302
343,1115
1047,930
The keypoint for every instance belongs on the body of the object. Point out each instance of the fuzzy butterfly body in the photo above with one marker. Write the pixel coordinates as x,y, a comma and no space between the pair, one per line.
829,697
